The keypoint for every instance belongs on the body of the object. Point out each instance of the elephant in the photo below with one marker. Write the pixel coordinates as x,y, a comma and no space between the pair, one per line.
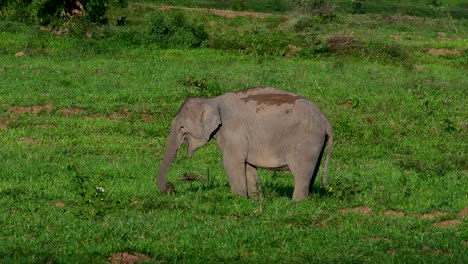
259,127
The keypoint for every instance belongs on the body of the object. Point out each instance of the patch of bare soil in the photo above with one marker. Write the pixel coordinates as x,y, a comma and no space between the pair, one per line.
34,110
147,118
59,204
401,19
27,141
431,215
434,251
93,116
364,210
20,54
378,239
123,113
393,213
219,12
447,223
292,50
71,111
438,52
4,124
48,126
463,212
127,258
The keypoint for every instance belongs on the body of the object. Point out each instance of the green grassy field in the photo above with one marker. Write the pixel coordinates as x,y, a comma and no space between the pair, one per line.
84,121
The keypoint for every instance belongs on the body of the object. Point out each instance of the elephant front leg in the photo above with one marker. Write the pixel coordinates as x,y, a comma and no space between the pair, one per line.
235,171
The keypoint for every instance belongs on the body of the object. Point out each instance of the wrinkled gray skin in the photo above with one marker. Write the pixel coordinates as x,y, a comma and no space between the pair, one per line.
257,127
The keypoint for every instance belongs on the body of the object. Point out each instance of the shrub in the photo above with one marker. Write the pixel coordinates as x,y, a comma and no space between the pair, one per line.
358,7
171,29
325,9
344,43
49,11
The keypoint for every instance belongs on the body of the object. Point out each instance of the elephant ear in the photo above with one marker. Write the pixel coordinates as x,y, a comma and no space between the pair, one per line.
211,120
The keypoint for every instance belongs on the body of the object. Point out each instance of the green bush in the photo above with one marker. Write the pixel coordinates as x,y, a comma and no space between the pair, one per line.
322,8
172,29
46,12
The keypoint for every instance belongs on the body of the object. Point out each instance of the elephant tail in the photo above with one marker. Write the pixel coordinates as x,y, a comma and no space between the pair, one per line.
329,149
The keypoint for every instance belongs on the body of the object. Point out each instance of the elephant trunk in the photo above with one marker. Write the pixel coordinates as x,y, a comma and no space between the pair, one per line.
172,146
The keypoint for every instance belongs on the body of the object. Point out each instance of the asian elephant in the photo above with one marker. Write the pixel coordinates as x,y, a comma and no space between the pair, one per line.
257,127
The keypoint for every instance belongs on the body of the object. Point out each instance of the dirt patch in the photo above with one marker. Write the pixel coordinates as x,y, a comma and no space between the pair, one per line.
34,110
147,118
378,239
431,215
26,141
4,124
400,19
59,204
427,249
122,114
447,223
93,116
127,258
20,54
393,213
439,52
292,50
219,12
71,111
48,126
364,210
463,212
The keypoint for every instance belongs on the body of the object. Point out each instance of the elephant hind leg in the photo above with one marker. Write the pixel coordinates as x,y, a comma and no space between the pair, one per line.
316,170
302,180
305,168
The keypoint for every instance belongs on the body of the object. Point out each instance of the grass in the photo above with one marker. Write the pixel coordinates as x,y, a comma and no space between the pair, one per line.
84,121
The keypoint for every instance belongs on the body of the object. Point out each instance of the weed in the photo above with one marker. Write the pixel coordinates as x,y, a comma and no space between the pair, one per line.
346,188
94,201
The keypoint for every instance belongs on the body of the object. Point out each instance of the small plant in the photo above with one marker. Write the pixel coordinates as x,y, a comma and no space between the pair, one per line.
345,189
94,202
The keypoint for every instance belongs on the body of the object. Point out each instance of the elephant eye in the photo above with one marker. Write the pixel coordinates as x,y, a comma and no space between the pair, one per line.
181,126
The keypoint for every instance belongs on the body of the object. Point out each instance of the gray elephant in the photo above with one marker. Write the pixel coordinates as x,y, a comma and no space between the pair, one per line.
258,127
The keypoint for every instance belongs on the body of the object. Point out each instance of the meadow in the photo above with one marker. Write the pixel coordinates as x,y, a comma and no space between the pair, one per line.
85,113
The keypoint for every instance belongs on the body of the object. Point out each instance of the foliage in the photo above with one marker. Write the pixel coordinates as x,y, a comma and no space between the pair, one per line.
172,29
93,199
358,6
325,9
54,11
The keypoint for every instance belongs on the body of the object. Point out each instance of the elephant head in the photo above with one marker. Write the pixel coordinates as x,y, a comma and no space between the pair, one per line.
196,123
